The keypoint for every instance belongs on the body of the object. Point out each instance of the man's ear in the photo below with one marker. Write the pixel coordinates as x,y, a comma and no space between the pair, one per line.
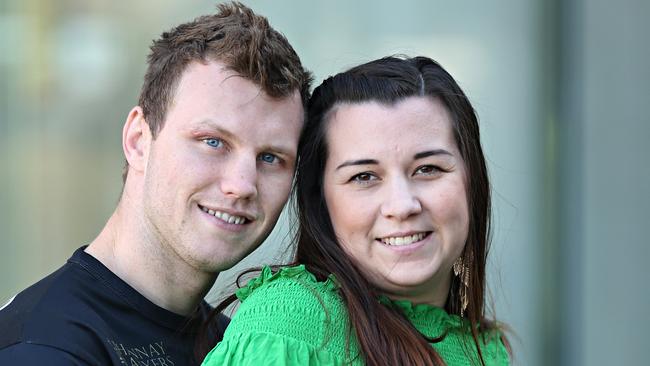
136,140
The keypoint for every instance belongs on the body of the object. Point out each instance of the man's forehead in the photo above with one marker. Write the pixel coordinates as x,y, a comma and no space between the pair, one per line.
218,78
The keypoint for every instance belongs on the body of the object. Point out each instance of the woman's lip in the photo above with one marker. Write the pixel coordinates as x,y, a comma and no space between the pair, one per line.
405,249
401,246
404,233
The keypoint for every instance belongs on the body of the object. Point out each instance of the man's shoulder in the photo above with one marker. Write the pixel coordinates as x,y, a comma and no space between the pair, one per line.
85,312
53,315
46,300
28,354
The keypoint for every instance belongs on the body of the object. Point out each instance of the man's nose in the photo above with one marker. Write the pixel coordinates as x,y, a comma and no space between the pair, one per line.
239,178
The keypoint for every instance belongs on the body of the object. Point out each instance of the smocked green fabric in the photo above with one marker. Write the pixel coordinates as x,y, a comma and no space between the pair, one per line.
290,318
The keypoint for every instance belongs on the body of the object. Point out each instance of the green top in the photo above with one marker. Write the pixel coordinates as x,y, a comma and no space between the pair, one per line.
290,318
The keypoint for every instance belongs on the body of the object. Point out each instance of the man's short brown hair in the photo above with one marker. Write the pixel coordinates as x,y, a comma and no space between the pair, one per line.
235,36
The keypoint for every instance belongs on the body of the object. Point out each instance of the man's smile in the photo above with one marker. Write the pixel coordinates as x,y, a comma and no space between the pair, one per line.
226,217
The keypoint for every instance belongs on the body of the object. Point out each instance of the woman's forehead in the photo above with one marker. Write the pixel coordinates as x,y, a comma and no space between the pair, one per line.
407,124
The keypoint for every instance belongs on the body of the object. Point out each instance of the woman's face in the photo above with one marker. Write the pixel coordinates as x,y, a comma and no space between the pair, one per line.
394,184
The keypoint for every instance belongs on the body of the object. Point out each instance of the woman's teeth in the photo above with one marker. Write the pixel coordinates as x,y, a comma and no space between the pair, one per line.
403,240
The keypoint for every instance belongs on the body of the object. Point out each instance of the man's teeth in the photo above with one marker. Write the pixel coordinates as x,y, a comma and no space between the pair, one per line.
231,219
403,240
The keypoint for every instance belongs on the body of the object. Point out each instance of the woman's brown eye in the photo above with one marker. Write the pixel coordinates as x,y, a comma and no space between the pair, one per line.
363,177
427,169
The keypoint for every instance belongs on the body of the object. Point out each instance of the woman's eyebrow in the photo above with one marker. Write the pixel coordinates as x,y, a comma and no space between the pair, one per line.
427,153
358,162
417,156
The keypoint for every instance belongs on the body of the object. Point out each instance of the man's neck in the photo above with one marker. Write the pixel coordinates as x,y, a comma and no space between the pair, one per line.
160,276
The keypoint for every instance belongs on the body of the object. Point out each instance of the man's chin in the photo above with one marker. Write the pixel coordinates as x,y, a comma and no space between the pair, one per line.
214,262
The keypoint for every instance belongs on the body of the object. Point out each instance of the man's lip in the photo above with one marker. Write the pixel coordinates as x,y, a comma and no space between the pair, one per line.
245,215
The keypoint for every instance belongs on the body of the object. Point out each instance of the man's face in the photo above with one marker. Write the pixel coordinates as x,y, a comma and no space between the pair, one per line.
220,170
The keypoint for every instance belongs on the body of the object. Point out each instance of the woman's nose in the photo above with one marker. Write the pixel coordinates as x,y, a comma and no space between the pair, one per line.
399,202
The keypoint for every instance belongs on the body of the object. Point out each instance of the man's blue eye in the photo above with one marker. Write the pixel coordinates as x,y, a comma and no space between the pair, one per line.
268,158
213,142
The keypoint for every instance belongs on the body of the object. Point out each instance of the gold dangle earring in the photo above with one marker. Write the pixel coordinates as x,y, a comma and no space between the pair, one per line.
461,270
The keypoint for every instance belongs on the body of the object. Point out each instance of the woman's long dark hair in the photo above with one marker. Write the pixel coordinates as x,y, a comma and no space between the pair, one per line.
385,336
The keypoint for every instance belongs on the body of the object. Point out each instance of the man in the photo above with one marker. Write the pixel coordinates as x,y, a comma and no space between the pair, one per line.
210,152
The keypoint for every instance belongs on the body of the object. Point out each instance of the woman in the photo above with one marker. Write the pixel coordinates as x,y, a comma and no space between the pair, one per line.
393,199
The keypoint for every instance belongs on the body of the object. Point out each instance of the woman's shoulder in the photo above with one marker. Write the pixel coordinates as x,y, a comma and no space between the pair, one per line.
289,291
293,283
459,347
496,347
287,316
291,302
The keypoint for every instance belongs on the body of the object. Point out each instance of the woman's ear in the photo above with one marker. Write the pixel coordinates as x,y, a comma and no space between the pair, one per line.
136,140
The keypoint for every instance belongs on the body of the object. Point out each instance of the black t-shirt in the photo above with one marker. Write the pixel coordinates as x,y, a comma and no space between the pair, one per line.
83,314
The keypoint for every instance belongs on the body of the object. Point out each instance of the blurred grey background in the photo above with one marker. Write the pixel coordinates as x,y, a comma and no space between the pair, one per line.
559,86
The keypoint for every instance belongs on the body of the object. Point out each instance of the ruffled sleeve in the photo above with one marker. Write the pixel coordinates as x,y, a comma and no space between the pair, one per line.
434,322
431,321
286,318
256,349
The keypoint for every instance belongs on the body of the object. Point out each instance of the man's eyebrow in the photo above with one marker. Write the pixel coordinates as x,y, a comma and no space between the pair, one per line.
358,162
428,153
207,124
